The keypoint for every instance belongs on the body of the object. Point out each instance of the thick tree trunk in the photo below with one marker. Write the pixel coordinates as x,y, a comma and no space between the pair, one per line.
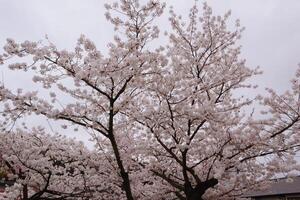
197,192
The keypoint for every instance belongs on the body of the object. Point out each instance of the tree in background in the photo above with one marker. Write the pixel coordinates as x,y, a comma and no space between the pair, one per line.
167,122
48,167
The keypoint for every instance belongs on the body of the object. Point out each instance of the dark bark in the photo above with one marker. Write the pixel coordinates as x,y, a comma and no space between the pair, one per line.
123,173
25,192
197,192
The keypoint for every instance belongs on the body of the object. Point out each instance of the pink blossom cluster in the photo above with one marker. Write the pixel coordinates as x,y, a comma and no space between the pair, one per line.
165,120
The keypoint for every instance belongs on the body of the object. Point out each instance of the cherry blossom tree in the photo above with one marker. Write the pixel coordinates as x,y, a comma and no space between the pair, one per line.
167,121
204,143
46,166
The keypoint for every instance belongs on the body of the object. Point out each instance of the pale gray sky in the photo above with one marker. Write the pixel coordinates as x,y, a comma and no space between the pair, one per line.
271,39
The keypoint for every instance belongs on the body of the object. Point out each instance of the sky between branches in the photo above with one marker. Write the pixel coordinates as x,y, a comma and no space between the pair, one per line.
271,39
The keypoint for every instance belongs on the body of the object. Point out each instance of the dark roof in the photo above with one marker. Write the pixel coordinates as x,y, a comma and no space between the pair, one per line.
280,186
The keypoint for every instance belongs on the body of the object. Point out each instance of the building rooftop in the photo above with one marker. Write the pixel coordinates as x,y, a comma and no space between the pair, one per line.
280,186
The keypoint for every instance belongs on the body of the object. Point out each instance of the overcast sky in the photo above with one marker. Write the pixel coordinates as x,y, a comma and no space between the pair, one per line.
271,39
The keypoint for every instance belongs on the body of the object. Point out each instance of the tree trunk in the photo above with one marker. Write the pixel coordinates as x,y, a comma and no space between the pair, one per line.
197,192
25,192
124,175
